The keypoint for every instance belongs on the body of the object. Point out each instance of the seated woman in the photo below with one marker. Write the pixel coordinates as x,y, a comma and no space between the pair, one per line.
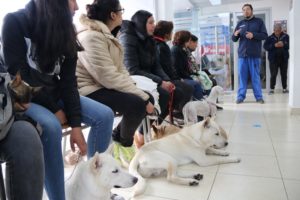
103,77
163,34
180,61
40,41
141,58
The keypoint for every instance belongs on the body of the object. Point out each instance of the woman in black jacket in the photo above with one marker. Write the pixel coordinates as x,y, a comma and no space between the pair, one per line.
141,57
40,42
163,34
181,62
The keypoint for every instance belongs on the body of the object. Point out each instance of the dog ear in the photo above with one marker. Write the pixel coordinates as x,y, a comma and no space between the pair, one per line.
17,80
206,122
35,90
155,129
96,162
109,149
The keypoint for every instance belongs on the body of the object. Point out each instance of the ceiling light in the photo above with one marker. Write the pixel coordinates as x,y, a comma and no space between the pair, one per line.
215,2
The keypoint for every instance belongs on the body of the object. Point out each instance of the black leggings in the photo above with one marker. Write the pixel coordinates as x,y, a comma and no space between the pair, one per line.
283,66
130,106
182,94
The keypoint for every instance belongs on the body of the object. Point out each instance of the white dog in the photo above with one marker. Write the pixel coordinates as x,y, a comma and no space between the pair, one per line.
191,144
202,108
93,179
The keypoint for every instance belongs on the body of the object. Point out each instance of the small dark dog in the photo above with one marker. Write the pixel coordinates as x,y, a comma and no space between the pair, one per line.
21,93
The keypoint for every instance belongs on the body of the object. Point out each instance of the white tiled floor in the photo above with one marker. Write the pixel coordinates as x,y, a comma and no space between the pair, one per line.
266,137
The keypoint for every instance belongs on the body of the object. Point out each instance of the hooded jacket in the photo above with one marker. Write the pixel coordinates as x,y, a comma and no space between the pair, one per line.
140,55
18,51
100,65
250,48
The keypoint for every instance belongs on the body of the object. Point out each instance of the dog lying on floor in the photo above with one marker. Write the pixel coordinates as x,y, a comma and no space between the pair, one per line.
165,130
203,108
93,179
191,144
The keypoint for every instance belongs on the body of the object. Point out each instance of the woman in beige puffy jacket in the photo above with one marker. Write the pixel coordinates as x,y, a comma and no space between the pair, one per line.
101,74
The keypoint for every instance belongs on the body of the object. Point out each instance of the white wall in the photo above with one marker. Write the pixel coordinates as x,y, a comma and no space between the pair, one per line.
294,18
279,8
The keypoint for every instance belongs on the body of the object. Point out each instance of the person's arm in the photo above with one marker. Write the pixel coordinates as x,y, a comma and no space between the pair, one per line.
236,33
262,34
179,63
15,57
165,60
13,44
286,42
98,62
269,44
131,57
69,92
158,70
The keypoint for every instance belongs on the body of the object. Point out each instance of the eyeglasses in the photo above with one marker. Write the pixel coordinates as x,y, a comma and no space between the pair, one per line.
122,10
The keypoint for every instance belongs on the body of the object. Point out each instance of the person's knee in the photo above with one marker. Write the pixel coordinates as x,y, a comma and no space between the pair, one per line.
27,142
103,114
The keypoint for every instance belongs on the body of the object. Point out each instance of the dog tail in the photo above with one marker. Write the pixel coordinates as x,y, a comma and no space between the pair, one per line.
140,186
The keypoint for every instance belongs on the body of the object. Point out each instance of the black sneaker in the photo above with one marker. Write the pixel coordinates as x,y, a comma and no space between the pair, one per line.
285,91
271,91
260,101
239,101
219,108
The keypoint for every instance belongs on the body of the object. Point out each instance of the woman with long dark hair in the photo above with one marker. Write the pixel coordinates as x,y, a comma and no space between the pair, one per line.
40,42
103,77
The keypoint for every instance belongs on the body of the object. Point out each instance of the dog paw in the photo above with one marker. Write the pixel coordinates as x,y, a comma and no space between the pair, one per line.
116,197
225,153
198,177
194,183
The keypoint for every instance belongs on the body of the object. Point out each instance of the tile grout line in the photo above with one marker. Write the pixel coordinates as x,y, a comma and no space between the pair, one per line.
217,172
276,157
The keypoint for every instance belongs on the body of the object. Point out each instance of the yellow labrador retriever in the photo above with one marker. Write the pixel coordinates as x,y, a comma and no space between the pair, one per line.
191,144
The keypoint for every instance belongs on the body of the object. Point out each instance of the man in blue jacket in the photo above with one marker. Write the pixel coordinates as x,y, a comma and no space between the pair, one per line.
277,45
250,31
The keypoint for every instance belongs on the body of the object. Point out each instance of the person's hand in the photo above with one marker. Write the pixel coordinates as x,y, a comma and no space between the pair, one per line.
237,32
249,35
167,85
149,108
78,139
21,106
61,116
280,44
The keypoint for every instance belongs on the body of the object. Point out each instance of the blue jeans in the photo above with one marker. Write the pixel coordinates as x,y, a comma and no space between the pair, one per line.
249,66
22,151
98,116
198,91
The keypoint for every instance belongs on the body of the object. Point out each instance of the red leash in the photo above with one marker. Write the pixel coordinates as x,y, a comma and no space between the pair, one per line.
171,105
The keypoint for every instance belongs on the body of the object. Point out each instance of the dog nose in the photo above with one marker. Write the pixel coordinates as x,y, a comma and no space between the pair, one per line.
226,143
135,180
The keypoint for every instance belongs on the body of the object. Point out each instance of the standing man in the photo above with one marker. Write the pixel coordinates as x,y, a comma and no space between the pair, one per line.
277,45
251,31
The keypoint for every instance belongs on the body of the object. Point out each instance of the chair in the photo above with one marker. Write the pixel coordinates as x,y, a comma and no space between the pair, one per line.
2,186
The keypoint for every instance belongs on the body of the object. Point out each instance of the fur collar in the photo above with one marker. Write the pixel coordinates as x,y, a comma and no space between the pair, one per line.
96,25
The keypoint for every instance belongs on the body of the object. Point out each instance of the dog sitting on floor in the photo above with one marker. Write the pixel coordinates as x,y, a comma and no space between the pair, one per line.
203,108
94,179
